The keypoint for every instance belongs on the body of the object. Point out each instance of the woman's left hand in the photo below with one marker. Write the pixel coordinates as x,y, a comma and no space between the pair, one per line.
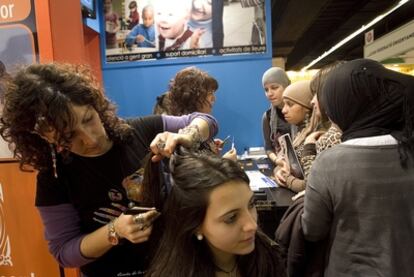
281,172
164,144
127,228
231,155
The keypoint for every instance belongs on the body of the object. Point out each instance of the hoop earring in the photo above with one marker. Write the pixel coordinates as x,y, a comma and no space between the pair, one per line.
53,154
199,236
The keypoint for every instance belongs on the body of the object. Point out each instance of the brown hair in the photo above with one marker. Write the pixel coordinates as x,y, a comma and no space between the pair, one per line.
190,89
38,100
194,177
317,83
162,104
315,123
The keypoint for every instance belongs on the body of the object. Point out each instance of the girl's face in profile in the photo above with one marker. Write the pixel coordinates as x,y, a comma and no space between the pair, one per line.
230,224
315,104
293,112
209,102
274,93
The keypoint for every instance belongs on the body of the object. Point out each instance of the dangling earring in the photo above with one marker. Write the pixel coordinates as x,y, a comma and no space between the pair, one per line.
199,236
53,153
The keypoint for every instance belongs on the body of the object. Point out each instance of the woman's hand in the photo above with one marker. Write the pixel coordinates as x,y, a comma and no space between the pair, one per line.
218,143
163,145
281,172
231,154
313,137
126,226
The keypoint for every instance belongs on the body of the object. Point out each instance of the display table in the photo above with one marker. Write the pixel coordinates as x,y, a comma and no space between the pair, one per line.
272,202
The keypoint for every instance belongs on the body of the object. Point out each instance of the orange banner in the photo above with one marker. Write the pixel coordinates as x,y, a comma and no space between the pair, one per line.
14,10
23,249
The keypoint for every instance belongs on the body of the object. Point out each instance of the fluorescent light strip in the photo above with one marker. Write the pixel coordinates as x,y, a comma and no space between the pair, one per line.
354,34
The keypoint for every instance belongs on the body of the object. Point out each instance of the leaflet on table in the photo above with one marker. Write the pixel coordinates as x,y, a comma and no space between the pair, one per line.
258,180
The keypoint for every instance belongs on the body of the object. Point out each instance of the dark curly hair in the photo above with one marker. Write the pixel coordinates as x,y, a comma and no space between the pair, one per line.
38,101
4,78
189,90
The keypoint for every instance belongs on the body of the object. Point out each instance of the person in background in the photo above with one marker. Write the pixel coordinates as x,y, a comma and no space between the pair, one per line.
111,25
274,82
172,26
306,258
359,193
133,15
143,34
326,134
319,134
163,104
211,223
193,90
297,111
62,125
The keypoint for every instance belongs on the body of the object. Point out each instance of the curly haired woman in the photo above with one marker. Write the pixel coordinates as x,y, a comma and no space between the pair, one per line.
60,123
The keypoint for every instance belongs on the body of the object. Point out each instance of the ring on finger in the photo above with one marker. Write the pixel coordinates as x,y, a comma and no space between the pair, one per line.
139,219
141,227
161,144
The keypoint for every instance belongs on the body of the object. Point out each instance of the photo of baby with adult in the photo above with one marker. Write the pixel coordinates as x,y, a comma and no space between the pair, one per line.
164,26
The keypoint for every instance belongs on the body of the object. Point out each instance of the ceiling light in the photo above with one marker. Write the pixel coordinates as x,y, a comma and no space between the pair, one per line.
354,34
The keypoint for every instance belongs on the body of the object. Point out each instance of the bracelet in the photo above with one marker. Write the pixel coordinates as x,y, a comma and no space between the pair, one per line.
194,133
113,236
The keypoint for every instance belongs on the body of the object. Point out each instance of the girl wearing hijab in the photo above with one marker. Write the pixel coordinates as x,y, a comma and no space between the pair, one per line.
360,193
297,111
274,81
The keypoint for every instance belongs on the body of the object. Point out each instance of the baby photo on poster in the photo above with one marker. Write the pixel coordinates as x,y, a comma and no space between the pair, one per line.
158,29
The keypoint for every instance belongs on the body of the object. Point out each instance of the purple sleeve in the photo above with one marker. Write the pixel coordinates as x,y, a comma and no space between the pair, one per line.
174,123
62,231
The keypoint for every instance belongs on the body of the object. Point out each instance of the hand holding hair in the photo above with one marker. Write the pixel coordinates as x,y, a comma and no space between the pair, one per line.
165,143
126,227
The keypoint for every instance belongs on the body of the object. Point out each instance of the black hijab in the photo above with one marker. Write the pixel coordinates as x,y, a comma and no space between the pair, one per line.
366,99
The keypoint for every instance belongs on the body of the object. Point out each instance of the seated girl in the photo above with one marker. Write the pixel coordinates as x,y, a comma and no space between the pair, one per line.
211,223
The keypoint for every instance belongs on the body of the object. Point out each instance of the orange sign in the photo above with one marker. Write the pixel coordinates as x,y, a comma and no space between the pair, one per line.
23,249
14,10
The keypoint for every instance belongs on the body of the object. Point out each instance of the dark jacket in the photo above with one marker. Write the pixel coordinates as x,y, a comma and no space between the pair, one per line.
304,258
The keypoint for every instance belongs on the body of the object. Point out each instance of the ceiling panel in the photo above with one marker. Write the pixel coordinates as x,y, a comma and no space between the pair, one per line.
303,30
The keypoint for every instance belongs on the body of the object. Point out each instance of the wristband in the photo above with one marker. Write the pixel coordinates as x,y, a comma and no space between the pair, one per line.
113,236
